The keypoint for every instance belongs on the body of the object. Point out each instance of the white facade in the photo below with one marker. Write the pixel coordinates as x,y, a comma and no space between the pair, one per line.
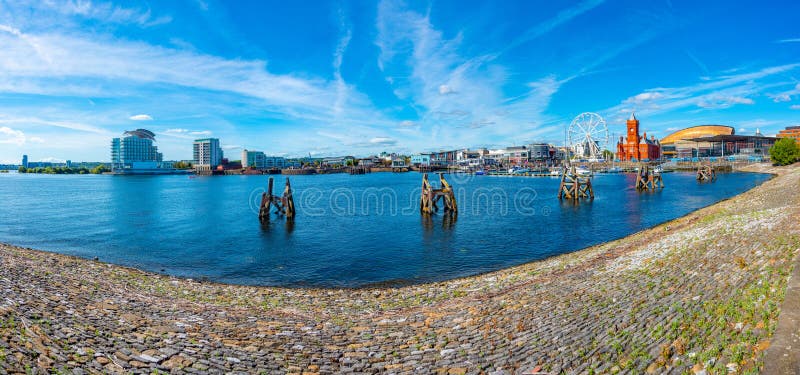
207,153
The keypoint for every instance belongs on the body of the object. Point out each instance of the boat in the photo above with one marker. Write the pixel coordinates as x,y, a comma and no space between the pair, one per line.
518,170
658,169
480,173
583,171
614,170
555,172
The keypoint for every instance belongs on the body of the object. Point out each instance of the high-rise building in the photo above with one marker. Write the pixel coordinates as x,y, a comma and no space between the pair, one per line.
206,153
135,150
25,161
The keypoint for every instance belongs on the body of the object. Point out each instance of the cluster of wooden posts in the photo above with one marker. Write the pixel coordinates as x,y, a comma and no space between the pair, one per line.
574,186
648,179
284,204
430,196
706,172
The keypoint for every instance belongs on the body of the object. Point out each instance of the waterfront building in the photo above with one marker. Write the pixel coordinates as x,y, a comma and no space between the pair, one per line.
421,159
676,145
731,146
258,160
399,162
540,151
25,161
338,161
207,154
715,141
253,159
444,158
371,161
790,132
134,151
636,147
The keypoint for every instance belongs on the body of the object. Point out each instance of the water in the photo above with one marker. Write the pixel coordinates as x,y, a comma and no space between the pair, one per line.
206,227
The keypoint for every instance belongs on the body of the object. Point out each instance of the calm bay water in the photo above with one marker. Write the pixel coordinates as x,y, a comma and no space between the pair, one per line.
350,230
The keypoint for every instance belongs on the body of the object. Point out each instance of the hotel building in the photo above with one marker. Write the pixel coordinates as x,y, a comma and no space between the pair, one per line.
135,151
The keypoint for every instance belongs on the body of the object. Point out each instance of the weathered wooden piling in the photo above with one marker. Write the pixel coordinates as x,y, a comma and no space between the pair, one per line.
284,204
574,186
430,196
706,172
648,179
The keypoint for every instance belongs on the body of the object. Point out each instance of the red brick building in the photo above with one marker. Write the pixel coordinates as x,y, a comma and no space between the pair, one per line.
790,132
635,147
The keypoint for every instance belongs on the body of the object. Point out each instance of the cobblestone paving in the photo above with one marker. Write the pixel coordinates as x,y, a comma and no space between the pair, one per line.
699,294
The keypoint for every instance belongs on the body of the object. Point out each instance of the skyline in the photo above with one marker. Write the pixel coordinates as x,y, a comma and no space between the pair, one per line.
364,77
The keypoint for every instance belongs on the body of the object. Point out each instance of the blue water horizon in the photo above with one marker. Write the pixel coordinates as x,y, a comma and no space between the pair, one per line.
350,231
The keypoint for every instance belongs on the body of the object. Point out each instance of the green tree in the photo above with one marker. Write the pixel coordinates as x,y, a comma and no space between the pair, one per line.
182,165
608,155
784,152
100,169
22,169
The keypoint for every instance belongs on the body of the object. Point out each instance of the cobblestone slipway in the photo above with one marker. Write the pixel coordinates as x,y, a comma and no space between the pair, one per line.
700,294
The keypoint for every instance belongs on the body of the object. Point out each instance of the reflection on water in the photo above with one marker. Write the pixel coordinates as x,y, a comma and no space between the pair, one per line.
349,230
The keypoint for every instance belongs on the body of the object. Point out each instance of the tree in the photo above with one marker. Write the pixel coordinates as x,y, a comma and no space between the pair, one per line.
608,155
184,165
22,169
100,169
784,152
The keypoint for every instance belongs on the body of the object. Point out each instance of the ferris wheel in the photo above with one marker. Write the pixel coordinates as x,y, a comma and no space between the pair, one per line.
587,136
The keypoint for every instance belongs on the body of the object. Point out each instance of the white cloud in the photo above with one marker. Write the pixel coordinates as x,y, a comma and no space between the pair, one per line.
176,131
85,61
141,117
720,102
791,40
795,106
383,141
645,97
407,123
201,132
779,98
716,93
8,135
445,89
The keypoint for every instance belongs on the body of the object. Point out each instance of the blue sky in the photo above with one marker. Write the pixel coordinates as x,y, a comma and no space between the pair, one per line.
360,77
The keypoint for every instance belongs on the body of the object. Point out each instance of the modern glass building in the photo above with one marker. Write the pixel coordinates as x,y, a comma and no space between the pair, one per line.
206,153
135,150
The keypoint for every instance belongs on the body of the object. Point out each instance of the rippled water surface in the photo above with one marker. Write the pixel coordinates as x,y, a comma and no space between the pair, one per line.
349,231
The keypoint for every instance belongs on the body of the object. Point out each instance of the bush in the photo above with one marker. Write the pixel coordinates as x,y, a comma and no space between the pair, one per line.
784,152
100,169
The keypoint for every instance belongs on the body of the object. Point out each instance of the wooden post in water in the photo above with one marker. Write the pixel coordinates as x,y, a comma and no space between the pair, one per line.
573,186
648,179
430,196
283,205
706,173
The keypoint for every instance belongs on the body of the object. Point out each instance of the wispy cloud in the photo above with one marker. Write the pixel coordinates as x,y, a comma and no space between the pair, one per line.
545,27
714,93
791,40
141,117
